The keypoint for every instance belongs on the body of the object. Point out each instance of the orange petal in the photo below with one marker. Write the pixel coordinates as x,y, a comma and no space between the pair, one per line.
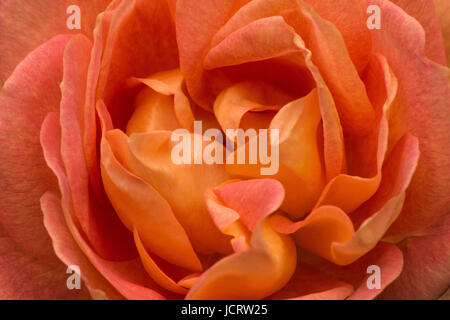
253,274
235,102
349,18
348,192
132,285
329,53
300,170
443,12
182,185
154,270
142,208
322,227
169,83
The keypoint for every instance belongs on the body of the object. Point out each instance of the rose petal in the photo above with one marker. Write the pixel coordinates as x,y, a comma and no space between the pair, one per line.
42,22
349,18
422,112
115,45
132,285
155,271
443,12
24,174
427,264
251,199
68,250
300,166
195,26
141,208
105,232
318,231
329,53
328,232
24,277
253,274
182,185
308,283
346,191
385,255
168,83
425,13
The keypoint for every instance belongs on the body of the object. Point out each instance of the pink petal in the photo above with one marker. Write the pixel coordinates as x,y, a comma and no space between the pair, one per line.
423,110
24,277
385,255
252,199
424,12
104,230
308,283
427,263
24,25
68,250
28,95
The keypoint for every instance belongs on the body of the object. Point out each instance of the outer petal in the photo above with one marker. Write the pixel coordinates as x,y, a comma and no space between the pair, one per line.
25,277
307,283
425,13
426,272
24,25
28,95
423,110
68,250
385,255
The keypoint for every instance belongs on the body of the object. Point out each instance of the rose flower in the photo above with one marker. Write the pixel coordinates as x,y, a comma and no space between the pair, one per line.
361,159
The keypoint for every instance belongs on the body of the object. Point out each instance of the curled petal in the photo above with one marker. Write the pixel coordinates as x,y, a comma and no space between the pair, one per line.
182,185
347,191
169,83
253,274
142,208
